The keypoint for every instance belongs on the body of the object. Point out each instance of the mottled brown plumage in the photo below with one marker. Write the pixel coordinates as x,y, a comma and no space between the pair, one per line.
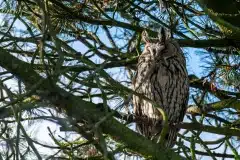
162,77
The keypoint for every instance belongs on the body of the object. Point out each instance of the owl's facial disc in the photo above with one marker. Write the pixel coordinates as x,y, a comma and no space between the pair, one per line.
156,49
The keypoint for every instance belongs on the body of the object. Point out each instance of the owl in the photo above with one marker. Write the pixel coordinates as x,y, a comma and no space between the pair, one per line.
161,76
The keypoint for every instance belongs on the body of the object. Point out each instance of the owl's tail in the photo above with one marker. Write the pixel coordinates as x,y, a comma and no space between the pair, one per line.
152,130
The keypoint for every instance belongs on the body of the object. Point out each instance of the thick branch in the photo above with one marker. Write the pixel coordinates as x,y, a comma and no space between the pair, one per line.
197,126
209,43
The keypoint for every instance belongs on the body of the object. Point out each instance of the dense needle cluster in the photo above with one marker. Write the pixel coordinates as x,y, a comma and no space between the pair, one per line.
162,77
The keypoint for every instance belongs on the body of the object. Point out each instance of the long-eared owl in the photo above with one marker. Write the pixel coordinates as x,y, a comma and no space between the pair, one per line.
161,76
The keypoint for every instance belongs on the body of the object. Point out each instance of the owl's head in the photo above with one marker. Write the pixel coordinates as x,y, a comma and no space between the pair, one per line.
155,46
163,36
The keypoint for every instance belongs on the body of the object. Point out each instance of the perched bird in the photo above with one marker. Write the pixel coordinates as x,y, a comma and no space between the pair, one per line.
162,77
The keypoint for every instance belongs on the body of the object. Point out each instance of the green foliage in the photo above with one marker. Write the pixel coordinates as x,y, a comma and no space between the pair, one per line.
59,59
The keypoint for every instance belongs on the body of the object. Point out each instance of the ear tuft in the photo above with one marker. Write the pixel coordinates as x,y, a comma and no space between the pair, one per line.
163,35
145,36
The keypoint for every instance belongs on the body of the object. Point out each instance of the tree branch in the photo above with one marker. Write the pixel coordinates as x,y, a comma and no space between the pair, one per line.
82,110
